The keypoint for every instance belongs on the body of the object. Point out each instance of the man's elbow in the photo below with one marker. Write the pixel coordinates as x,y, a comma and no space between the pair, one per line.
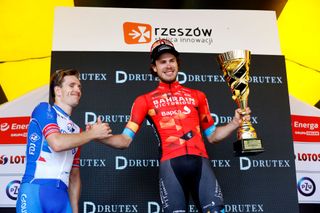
125,145
213,139
125,141
54,141
57,147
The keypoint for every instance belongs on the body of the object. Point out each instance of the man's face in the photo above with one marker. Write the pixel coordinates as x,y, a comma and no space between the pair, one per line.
166,66
70,91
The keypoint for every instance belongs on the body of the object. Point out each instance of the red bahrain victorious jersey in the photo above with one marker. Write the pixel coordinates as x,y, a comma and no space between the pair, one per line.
177,113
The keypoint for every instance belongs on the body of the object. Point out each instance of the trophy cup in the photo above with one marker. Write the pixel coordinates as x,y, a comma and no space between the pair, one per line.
235,67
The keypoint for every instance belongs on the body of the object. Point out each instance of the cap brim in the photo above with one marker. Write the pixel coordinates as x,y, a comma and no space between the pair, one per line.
158,51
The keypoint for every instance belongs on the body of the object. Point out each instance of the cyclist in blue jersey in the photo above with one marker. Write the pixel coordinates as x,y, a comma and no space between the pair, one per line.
51,182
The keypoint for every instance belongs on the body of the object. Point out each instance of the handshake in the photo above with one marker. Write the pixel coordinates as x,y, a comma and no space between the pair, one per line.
99,130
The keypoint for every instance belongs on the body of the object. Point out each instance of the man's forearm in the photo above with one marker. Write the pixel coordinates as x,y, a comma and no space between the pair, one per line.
74,189
120,141
223,132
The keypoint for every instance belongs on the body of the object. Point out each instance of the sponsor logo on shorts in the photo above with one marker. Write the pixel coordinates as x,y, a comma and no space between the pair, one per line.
23,205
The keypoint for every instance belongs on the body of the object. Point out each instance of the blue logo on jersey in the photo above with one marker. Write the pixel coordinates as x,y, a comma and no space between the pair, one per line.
74,150
34,137
70,127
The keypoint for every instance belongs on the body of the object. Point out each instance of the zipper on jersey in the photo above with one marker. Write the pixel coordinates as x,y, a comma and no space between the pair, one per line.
185,144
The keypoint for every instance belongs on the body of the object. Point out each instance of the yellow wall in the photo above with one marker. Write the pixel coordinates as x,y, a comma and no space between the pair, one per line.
299,31
25,44
26,38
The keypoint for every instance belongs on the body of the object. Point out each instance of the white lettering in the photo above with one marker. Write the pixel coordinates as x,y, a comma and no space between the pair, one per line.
310,126
90,118
121,77
19,126
90,207
242,164
32,148
153,207
121,163
24,203
182,77
87,204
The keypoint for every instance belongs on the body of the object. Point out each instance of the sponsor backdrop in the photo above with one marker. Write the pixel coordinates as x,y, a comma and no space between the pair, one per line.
306,137
14,121
110,47
127,179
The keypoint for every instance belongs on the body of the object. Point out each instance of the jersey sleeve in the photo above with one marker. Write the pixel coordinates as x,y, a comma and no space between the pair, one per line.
206,120
76,159
46,117
138,113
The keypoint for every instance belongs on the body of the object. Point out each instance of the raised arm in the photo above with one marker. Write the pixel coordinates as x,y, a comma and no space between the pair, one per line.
223,132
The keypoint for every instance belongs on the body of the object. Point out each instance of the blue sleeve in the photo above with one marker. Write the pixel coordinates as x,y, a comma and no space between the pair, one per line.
210,130
44,114
128,132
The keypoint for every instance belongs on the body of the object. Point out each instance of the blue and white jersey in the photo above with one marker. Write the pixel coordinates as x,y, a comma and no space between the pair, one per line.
44,165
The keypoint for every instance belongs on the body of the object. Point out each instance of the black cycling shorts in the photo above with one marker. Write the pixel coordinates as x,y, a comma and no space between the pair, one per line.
189,175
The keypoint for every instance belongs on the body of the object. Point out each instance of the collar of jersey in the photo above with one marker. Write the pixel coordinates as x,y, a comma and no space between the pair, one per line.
170,86
61,111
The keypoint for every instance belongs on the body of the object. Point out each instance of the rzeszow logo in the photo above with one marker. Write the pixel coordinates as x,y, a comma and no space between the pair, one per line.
136,33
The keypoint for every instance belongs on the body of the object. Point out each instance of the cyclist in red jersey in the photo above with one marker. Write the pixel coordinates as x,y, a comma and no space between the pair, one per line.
179,114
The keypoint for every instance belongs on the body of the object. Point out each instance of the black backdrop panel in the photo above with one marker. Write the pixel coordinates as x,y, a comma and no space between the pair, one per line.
127,180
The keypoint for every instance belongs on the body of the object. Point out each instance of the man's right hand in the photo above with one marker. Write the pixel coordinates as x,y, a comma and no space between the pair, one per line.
99,130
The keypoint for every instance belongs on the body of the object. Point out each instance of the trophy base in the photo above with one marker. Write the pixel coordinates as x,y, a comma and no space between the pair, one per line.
247,147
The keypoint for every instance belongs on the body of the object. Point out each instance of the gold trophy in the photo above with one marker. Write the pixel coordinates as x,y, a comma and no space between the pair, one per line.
235,67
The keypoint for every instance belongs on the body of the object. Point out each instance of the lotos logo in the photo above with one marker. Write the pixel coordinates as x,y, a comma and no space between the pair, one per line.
12,159
136,33
4,127
3,160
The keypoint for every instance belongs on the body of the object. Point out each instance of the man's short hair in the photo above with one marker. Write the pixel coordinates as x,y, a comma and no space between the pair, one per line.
57,79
